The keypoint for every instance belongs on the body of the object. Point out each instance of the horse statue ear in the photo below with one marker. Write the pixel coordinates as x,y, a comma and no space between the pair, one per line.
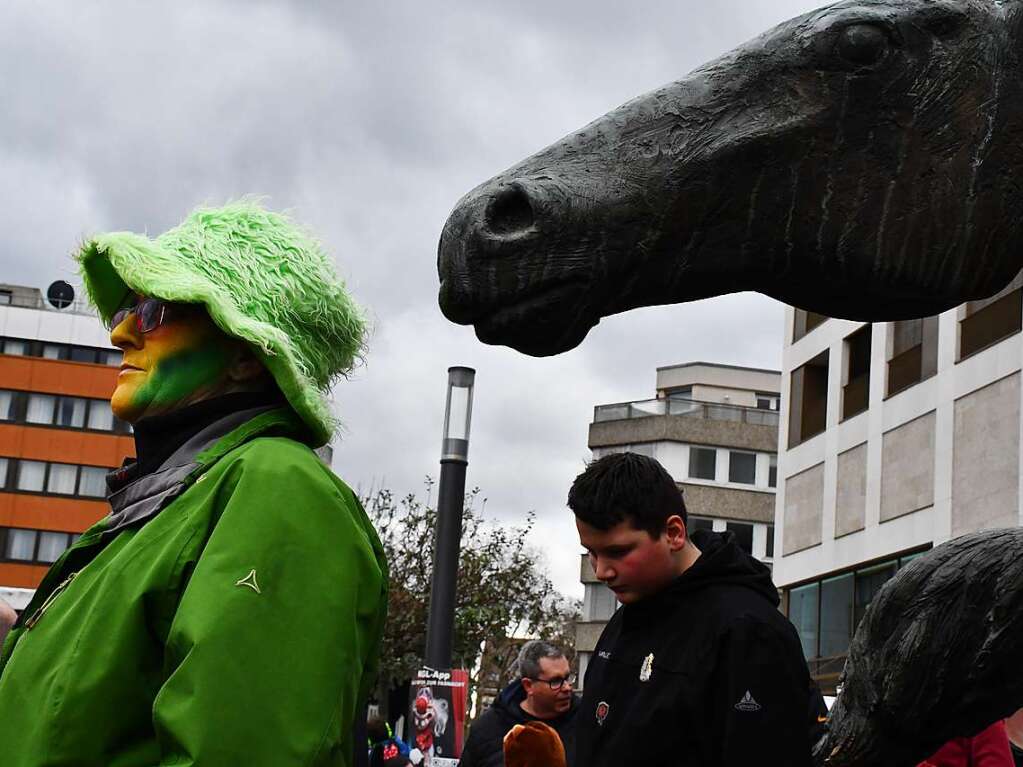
533,744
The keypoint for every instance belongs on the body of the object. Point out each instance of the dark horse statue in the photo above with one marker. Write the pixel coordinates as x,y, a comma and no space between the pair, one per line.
860,161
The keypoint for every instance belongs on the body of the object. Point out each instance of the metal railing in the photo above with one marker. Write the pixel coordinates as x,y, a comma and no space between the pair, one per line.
712,411
37,301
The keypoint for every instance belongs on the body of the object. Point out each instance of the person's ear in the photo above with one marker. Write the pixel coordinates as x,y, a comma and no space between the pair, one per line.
675,532
527,685
244,365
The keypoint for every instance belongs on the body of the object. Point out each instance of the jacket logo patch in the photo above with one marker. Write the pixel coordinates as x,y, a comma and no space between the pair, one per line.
250,581
747,703
647,668
602,711
604,654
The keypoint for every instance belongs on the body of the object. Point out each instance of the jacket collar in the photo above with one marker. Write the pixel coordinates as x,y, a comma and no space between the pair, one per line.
135,499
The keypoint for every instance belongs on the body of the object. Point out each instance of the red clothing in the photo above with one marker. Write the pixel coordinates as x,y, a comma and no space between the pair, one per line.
988,748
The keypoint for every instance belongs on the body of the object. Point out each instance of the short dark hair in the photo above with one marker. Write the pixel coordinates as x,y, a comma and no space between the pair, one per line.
527,666
626,486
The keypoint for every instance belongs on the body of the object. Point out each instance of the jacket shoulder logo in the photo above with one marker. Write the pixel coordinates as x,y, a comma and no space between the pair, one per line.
250,581
602,711
647,668
604,654
747,703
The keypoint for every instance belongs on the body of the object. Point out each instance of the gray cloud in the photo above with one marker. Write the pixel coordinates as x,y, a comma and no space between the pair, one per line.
369,121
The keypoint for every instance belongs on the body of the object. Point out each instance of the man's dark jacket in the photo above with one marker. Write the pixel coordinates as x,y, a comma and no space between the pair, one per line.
706,673
485,745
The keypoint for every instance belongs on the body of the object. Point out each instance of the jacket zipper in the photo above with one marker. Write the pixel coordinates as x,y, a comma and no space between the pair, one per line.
38,614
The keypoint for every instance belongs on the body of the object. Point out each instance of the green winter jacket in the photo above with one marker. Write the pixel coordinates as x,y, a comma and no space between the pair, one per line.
227,613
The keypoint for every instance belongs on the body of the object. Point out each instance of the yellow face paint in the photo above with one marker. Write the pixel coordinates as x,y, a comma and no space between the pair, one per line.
181,362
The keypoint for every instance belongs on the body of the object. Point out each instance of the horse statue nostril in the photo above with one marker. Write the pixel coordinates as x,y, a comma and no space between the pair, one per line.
509,212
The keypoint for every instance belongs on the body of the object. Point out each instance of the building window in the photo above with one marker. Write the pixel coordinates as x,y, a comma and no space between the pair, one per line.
40,546
743,532
112,357
856,392
54,351
742,467
645,449
699,523
836,615
702,462
51,546
15,346
988,321
767,401
20,545
101,417
803,612
868,582
6,405
769,547
93,482
809,398
71,412
682,392
5,297
772,472
40,408
914,352
61,479
31,476
804,322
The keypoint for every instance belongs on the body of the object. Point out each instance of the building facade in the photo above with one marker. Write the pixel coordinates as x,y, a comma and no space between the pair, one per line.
58,436
714,428
894,438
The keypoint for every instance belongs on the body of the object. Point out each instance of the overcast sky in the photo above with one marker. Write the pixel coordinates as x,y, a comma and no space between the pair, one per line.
368,121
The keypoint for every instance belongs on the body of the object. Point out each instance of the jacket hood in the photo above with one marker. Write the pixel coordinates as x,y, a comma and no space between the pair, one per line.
261,278
722,561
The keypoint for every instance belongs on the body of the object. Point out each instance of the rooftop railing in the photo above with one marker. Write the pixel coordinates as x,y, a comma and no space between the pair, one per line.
37,301
712,411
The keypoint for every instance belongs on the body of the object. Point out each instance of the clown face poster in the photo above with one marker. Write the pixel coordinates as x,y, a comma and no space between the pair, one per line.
437,704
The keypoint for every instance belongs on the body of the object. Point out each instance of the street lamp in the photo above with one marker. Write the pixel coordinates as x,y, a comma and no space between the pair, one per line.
454,457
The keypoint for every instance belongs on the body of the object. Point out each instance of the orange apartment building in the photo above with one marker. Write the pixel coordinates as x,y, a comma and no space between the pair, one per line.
58,436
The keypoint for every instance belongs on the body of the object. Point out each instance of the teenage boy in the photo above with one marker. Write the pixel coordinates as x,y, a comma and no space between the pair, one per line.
698,667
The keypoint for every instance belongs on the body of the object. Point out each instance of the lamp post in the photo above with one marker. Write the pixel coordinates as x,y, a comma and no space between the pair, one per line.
454,457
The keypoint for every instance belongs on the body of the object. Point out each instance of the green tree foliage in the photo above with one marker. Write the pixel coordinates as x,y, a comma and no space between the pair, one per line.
503,589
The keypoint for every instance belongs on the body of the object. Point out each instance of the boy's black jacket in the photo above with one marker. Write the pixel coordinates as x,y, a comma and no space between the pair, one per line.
706,673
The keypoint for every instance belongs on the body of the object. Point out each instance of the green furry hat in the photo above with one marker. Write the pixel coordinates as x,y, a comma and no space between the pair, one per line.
261,278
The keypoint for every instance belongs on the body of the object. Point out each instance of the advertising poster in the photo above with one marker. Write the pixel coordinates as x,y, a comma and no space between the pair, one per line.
437,706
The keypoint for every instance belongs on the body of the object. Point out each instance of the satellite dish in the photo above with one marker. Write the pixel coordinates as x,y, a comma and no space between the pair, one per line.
60,294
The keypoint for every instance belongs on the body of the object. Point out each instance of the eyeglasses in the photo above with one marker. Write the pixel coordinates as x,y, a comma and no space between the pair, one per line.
556,684
149,315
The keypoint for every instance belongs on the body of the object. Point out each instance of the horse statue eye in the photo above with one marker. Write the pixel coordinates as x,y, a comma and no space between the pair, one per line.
863,44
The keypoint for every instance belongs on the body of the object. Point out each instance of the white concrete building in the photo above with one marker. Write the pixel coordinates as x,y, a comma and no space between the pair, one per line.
894,438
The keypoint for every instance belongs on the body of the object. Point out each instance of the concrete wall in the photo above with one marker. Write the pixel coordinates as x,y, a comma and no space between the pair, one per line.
907,468
680,428
729,503
803,504
985,468
711,376
851,496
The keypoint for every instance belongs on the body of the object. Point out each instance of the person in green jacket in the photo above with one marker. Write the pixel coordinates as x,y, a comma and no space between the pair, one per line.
229,610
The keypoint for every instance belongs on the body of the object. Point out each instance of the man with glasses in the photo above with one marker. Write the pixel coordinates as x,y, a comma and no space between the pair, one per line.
542,692
229,609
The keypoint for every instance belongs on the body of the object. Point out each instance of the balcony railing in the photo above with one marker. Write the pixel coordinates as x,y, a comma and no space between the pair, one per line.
685,407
